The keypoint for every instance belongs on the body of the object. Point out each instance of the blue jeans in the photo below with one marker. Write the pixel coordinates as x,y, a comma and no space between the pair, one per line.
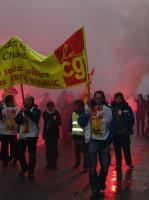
100,150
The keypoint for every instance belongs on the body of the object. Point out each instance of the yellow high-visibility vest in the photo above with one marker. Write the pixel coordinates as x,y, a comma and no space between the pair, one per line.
76,129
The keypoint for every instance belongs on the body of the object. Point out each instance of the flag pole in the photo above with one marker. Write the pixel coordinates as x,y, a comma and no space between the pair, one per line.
88,82
22,92
26,130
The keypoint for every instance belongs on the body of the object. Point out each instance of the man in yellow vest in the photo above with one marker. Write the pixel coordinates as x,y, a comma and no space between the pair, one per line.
78,121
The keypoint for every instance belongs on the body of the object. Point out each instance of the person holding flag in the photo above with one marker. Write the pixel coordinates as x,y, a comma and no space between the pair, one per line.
99,146
28,119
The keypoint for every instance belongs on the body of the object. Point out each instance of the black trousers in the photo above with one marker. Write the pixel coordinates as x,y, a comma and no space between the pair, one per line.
122,142
80,149
51,146
140,119
7,140
31,144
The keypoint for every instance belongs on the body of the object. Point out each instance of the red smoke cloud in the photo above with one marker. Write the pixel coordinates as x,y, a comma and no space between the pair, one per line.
132,74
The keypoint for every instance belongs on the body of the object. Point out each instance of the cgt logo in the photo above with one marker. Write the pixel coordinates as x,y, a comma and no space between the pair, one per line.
73,67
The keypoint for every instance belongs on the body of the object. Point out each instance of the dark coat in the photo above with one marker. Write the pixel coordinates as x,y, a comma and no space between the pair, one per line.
127,113
52,122
33,113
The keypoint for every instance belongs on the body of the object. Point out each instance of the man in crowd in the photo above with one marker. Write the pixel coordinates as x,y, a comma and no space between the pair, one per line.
28,119
8,129
99,146
147,116
79,121
140,114
124,118
52,122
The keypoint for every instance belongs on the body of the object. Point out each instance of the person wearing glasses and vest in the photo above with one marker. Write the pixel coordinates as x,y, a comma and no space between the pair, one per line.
79,120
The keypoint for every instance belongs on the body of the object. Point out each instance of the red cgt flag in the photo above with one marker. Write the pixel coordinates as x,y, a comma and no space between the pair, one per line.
72,55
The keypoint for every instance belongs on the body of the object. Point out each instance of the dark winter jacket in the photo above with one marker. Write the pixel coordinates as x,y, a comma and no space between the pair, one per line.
124,117
27,121
52,122
1,108
33,114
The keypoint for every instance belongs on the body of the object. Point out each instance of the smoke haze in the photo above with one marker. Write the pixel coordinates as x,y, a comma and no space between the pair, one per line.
117,36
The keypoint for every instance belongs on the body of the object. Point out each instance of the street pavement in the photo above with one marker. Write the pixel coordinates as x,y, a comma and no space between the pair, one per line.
68,184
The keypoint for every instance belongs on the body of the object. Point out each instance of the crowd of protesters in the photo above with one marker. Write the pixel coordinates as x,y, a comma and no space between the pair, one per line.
90,125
